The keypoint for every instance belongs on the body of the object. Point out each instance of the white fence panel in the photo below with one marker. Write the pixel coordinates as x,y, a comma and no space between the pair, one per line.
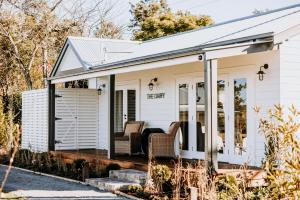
35,120
76,112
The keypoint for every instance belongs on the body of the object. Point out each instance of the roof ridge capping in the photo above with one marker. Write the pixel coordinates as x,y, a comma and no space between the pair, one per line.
101,39
227,22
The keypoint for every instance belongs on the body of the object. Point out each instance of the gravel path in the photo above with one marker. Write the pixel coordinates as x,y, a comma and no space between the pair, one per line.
33,186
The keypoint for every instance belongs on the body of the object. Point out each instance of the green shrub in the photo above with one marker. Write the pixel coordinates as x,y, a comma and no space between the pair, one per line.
135,188
227,187
139,192
160,174
282,161
23,158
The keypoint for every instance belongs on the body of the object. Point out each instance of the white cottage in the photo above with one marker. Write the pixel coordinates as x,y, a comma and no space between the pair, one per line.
209,79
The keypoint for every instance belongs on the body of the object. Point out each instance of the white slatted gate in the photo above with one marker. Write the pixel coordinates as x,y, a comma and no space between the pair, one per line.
76,124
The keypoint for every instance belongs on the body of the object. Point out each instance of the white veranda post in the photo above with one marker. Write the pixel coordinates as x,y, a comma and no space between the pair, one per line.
210,77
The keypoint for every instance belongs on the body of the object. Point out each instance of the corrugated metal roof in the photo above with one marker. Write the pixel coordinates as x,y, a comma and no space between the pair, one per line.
100,53
97,51
275,21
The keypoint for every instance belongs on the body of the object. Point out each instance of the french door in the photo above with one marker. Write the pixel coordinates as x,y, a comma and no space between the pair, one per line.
234,104
191,114
126,104
241,116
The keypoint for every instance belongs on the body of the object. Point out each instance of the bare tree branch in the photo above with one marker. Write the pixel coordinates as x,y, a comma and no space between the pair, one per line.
21,65
32,57
56,5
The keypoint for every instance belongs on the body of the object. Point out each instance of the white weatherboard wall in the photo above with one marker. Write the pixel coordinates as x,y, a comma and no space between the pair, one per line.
290,72
35,120
103,142
76,125
103,121
161,112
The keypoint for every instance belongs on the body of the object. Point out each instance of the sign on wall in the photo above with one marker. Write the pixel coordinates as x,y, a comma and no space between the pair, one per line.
156,96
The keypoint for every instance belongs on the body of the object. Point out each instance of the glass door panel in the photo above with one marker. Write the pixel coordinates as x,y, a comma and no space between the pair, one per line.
221,115
125,106
119,111
184,114
131,105
192,117
240,116
200,116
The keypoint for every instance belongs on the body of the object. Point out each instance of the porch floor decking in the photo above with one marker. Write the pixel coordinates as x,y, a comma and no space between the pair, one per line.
139,162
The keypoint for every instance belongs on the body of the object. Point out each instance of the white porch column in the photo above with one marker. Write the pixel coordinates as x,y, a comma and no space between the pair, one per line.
210,78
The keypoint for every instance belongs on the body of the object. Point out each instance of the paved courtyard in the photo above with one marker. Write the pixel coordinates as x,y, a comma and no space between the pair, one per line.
33,186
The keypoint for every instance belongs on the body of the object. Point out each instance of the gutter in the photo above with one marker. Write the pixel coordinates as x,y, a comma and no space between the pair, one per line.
200,49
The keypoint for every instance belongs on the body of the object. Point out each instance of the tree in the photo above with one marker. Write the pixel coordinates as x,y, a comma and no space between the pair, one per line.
109,30
154,18
34,32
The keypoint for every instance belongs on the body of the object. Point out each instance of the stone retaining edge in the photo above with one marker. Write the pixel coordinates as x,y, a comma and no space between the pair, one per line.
126,195
49,175
73,181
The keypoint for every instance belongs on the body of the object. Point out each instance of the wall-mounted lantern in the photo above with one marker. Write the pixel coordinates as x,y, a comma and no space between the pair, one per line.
152,82
261,72
100,88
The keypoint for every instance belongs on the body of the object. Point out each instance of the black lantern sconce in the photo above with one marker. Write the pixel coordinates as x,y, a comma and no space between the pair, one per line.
152,82
100,88
261,72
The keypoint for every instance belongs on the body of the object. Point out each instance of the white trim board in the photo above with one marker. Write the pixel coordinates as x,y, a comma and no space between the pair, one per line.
134,68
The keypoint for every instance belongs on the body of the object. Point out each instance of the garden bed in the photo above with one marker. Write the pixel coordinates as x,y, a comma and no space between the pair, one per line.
184,180
78,169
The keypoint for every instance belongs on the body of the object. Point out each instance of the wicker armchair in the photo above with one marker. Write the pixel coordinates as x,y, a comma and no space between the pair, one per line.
161,144
129,141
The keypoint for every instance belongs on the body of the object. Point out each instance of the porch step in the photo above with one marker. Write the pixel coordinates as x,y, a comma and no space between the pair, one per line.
119,180
130,175
109,184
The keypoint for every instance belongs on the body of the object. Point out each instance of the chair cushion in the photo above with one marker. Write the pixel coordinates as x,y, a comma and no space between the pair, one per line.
131,128
123,138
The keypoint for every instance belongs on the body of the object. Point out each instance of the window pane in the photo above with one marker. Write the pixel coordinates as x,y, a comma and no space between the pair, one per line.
200,116
131,105
221,116
240,115
184,114
119,111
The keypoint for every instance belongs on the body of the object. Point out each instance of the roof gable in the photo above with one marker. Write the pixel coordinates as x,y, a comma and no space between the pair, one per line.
70,62
80,54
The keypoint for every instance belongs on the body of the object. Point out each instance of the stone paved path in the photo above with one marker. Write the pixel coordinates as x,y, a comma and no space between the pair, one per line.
33,186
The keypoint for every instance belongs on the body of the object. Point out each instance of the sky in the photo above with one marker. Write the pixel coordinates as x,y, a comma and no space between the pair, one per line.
219,10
